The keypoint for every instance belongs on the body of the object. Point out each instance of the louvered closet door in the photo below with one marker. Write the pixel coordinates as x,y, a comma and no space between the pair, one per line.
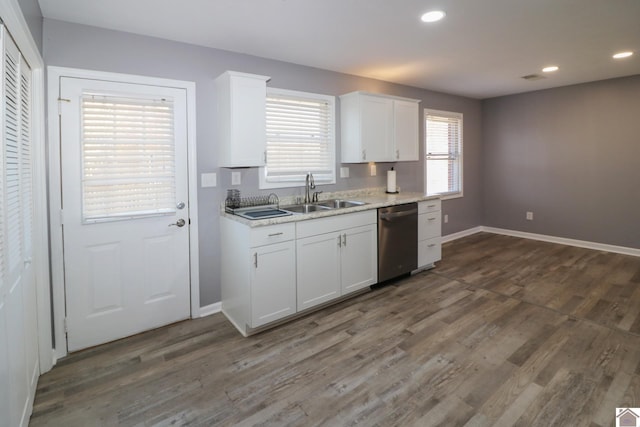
18,328
125,209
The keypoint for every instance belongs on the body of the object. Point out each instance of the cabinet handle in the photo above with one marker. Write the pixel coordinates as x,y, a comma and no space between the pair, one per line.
265,157
255,259
431,245
276,234
397,154
339,241
344,239
431,219
431,206
364,154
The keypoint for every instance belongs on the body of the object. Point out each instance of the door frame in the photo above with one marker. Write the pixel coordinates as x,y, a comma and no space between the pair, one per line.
54,75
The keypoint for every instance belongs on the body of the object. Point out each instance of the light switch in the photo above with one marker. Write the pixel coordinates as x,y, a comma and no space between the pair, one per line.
344,172
236,178
373,169
208,180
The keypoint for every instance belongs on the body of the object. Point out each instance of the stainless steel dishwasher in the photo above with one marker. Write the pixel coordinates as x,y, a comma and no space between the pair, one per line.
397,240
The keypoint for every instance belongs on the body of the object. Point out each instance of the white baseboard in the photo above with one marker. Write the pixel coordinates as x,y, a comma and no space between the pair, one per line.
564,241
210,309
461,234
544,238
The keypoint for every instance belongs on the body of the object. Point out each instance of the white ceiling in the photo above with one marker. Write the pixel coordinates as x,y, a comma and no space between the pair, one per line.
481,49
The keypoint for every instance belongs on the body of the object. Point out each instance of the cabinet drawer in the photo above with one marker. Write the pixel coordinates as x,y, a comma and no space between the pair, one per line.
429,251
429,206
429,225
313,227
272,234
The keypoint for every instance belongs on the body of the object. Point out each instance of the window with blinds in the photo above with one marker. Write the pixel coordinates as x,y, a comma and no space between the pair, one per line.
128,157
443,135
300,139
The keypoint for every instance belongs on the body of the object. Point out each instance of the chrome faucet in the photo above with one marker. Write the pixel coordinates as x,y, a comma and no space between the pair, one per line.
308,185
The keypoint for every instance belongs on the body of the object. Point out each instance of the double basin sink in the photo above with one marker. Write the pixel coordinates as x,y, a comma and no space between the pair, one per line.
323,205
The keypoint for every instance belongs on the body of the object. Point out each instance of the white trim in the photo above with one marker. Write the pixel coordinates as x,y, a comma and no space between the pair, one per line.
544,238
461,234
57,262
210,309
565,241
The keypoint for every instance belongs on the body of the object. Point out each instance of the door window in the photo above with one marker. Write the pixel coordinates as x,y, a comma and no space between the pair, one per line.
128,157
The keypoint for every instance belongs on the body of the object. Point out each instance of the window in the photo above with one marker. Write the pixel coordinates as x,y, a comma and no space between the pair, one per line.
443,142
128,156
300,139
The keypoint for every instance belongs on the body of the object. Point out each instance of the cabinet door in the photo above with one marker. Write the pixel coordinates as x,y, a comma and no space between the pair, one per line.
318,269
377,129
248,122
406,125
273,283
359,258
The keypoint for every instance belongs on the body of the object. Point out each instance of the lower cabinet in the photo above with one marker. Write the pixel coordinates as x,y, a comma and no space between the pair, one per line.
338,256
273,283
258,272
429,233
272,272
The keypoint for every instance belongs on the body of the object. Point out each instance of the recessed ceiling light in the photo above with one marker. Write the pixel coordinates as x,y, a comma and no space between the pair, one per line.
550,69
433,16
622,55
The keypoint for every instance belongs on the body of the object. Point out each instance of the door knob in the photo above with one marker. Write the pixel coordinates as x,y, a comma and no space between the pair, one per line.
180,205
179,223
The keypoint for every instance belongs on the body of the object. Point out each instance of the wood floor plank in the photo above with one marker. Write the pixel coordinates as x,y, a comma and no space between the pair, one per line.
504,331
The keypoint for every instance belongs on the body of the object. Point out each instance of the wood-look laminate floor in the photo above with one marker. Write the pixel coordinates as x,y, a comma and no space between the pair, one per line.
505,331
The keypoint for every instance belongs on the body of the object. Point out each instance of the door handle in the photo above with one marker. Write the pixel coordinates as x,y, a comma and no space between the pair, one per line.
179,223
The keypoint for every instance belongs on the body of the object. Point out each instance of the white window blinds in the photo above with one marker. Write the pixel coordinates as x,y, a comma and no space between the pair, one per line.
300,138
128,156
443,133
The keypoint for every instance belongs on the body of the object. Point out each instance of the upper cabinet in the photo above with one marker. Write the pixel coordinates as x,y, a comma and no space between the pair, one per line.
378,128
240,119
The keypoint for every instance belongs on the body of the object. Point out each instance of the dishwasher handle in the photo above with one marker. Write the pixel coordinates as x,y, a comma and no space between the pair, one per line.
393,215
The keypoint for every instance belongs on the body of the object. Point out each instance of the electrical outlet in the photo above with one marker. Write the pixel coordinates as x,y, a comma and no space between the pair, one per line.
446,218
208,180
529,216
344,172
373,169
236,178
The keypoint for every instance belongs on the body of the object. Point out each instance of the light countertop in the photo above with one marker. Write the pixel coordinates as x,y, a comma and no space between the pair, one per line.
374,199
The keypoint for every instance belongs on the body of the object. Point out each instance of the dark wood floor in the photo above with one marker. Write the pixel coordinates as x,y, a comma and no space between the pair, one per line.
505,331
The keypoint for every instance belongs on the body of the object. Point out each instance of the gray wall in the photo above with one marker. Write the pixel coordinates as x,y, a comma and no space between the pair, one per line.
571,156
78,46
33,16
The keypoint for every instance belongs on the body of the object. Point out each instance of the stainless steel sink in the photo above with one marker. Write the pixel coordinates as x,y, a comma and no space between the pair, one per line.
305,208
338,203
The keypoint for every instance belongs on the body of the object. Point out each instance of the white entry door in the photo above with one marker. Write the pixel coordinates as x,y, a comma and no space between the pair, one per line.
125,208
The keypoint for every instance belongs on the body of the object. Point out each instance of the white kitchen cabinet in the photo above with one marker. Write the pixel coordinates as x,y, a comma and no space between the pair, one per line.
378,128
335,256
359,267
241,119
429,233
273,283
318,272
405,130
258,272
